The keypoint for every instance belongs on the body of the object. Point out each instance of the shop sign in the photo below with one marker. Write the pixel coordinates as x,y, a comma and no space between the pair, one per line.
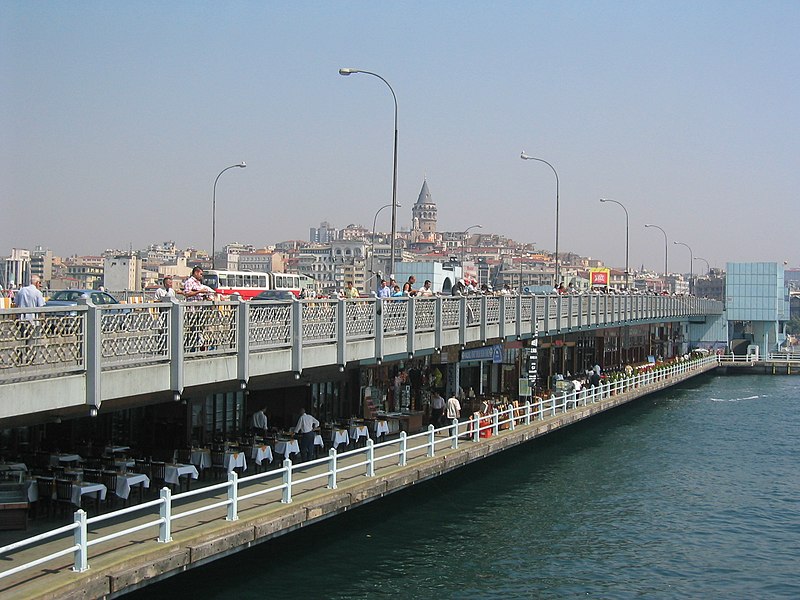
483,353
599,277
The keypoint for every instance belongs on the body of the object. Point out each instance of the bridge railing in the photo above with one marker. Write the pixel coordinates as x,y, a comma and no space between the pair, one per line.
48,342
282,482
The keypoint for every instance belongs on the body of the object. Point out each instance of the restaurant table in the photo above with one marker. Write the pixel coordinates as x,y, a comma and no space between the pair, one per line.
339,436
287,447
380,427
57,459
173,473
358,431
235,460
79,489
116,449
259,453
13,466
124,462
32,489
318,441
129,480
201,458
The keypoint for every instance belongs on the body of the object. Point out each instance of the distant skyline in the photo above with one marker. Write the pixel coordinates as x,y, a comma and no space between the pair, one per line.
116,119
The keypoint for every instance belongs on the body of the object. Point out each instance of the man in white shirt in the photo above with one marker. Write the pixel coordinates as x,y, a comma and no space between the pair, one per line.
166,292
30,297
260,422
453,412
437,409
306,425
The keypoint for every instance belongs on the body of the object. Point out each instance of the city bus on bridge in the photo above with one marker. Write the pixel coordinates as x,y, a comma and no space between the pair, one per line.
249,284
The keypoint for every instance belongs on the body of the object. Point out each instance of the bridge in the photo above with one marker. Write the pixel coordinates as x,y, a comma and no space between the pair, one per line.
71,360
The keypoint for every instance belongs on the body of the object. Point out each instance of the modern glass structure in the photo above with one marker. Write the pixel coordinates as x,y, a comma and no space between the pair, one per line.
756,305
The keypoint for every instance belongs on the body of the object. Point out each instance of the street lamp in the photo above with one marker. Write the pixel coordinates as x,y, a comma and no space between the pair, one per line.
691,264
708,267
241,165
464,244
524,156
627,273
666,248
347,72
372,247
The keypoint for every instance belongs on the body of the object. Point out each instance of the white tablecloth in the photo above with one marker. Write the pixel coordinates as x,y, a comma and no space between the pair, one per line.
79,489
126,482
116,449
201,458
259,453
285,448
128,463
173,473
234,460
339,436
32,489
318,441
358,431
56,459
381,427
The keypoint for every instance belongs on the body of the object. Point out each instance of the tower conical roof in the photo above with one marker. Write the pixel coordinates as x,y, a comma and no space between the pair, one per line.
425,194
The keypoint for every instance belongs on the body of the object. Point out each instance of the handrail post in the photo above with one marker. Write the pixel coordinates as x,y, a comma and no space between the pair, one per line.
495,423
332,466
553,402
287,481
233,497
165,510
370,457
431,441
511,412
454,434
476,422
80,536
527,412
403,449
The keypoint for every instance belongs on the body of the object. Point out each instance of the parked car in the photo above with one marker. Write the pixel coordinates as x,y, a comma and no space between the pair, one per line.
70,297
275,295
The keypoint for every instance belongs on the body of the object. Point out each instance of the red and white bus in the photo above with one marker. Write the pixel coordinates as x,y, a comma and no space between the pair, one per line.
249,284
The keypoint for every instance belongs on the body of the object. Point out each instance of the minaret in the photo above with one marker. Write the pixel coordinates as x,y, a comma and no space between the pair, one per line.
424,211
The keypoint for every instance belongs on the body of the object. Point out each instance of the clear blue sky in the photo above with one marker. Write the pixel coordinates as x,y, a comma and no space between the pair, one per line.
116,118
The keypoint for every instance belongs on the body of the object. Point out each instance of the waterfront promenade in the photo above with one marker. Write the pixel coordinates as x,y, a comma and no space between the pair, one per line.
258,510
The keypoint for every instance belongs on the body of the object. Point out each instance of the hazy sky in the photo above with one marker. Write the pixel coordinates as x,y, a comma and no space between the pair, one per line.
116,117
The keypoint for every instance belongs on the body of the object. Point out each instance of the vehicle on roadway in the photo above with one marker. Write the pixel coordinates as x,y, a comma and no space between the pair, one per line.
275,295
70,297
248,284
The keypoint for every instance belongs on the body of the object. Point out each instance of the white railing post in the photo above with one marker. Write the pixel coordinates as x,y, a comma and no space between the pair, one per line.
403,449
476,421
454,434
287,481
431,440
370,458
80,534
495,423
511,412
553,402
233,497
165,510
332,466
527,412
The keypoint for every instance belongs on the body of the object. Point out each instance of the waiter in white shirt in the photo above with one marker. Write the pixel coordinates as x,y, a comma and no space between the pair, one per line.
260,422
306,425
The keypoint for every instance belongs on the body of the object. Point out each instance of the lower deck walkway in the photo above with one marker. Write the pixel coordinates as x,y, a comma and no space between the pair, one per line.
137,559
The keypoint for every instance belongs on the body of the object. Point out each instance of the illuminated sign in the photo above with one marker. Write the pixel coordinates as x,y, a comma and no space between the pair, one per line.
599,277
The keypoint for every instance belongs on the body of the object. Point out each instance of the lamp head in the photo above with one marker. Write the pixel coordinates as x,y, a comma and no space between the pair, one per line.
347,72
242,165
524,156
603,200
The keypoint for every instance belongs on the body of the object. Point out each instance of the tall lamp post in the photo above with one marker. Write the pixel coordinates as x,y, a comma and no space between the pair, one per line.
691,265
347,72
666,248
464,245
627,271
241,165
708,267
524,156
372,248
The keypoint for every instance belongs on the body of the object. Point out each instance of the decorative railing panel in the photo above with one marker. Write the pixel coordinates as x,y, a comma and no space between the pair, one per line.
319,321
425,314
270,324
360,319
395,315
209,328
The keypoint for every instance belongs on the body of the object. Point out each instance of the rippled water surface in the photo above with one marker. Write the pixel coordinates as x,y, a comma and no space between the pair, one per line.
692,492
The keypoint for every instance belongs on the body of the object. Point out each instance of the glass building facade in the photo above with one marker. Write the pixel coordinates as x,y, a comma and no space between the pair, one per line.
756,305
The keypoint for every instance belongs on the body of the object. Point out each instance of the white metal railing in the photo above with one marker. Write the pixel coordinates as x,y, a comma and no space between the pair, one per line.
371,459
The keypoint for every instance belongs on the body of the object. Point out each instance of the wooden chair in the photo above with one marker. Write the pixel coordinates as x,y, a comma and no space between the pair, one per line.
109,479
63,496
93,475
218,463
45,488
158,474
